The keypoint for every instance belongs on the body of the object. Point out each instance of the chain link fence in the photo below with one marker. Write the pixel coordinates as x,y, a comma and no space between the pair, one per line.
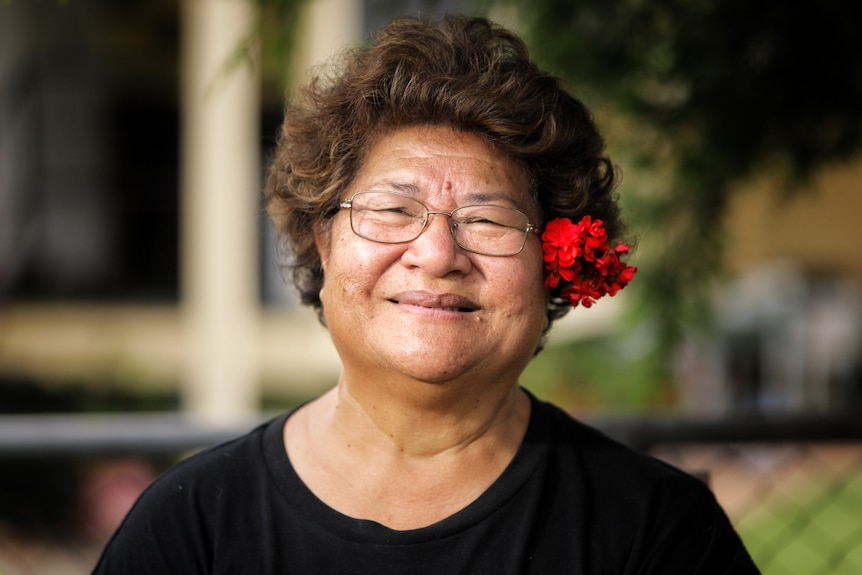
797,506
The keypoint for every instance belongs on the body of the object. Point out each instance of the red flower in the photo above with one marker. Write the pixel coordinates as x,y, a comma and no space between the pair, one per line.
578,257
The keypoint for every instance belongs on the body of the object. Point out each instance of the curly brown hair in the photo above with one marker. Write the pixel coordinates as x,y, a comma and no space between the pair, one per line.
467,73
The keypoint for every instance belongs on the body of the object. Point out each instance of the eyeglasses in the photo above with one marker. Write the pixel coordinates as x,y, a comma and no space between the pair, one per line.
392,218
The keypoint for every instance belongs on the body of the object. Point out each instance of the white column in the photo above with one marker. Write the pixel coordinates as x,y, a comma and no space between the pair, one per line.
220,191
326,26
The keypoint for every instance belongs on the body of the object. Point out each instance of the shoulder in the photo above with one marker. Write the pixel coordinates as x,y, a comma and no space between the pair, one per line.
668,519
211,470
174,524
603,458
617,473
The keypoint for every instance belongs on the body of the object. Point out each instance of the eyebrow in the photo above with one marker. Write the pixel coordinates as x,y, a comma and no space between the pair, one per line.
472,198
402,187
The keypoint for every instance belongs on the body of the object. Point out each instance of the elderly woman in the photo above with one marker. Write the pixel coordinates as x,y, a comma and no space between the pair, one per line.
444,202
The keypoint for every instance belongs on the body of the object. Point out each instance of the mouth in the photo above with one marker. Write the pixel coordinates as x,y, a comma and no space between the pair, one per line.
443,302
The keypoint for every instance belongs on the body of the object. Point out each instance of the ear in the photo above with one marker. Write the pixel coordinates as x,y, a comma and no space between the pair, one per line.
323,241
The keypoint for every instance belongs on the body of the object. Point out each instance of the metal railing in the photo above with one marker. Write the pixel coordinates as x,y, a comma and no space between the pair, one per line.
95,434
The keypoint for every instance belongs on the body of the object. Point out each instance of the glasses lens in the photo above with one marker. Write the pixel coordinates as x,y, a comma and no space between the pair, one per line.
491,230
389,217
386,217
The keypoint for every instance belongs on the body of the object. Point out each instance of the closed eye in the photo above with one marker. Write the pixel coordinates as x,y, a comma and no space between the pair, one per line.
396,212
481,221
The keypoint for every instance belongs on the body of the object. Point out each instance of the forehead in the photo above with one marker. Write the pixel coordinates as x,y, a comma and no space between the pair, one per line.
433,161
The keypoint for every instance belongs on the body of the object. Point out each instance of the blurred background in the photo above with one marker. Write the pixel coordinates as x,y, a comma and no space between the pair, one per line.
143,314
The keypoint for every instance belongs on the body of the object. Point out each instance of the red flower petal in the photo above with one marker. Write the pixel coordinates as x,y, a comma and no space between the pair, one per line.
578,257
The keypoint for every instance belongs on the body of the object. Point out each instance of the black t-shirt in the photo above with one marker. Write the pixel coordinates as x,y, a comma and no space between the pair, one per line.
571,501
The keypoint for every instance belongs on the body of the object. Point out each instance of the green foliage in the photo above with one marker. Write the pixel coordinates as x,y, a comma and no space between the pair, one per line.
624,370
700,94
269,41
276,27
738,82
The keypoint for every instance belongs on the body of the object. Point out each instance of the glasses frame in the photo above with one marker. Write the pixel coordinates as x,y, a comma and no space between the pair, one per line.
530,227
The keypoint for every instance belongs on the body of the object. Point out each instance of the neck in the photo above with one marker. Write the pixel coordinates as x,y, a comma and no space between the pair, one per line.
405,457
422,420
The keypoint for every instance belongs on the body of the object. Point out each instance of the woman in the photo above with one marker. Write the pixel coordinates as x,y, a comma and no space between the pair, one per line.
412,188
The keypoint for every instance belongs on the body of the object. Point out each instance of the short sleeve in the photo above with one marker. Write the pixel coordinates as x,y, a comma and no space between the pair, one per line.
688,532
165,532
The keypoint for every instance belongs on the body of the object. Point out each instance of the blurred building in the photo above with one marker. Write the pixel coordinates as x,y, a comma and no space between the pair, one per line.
788,329
134,250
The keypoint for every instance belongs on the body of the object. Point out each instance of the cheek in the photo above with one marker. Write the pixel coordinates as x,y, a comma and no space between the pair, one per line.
536,295
523,292
355,266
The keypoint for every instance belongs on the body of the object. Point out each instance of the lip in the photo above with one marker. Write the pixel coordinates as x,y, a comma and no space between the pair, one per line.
444,302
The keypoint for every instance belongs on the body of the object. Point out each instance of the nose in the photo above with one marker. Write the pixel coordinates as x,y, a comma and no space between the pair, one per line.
435,250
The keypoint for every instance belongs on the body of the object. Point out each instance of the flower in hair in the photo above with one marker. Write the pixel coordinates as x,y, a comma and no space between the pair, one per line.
579,258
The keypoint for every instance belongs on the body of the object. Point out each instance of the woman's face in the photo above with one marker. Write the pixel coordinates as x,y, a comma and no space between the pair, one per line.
427,308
